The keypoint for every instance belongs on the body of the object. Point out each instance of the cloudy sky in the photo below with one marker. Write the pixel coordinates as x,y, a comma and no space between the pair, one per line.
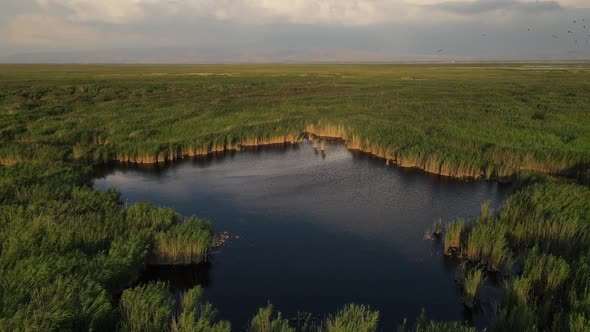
241,30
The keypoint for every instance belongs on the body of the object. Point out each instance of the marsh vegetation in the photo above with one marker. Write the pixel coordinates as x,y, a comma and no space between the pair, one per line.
539,243
71,256
456,120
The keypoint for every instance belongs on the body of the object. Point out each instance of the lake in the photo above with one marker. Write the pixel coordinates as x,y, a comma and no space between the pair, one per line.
311,231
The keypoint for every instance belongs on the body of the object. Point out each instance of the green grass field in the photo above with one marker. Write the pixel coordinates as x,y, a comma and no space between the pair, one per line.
70,255
461,120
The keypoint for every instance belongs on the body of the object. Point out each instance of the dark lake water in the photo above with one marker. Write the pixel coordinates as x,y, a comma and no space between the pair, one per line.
314,231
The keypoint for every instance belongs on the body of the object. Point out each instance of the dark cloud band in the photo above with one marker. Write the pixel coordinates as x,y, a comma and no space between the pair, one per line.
484,6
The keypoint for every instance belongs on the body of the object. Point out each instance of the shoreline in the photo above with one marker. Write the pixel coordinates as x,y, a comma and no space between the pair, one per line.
351,142
500,165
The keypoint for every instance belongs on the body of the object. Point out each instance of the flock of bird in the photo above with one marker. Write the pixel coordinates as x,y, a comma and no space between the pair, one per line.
575,36
580,32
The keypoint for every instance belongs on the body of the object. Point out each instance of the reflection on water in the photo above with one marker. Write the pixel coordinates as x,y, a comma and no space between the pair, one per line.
314,230
183,277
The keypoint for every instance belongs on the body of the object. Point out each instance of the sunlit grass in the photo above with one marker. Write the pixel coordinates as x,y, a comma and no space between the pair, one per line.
547,272
473,281
453,234
197,315
487,244
146,308
265,320
539,243
353,318
186,243
458,120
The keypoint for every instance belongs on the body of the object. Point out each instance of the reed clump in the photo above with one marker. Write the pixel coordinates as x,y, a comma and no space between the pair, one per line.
435,231
265,321
473,281
151,307
197,315
353,318
143,215
146,308
183,244
487,244
551,216
453,235
486,212
578,322
423,324
438,227
518,291
539,230
548,273
517,311
516,318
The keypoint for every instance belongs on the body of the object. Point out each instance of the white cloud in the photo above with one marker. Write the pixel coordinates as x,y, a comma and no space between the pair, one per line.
109,11
343,12
400,25
39,29
48,31
352,12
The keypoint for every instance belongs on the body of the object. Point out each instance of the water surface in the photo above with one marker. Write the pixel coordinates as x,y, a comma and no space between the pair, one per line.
313,231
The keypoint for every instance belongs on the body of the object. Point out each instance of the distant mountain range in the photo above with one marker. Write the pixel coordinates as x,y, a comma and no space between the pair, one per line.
192,55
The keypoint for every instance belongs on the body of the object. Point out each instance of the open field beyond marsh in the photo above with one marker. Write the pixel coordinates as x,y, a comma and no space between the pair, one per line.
465,120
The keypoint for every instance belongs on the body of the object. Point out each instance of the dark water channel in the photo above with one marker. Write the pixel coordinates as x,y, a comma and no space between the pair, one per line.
313,231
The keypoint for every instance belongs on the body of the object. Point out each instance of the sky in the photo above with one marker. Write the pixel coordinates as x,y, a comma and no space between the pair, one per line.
294,30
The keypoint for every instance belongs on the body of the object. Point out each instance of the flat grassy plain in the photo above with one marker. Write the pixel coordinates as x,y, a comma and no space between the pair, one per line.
70,256
466,120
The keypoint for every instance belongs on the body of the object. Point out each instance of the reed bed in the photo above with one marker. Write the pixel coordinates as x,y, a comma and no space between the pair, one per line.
67,250
487,244
197,315
516,318
473,281
550,216
143,215
146,308
486,213
151,307
518,291
547,272
453,234
186,243
351,318
438,228
423,324
264,321
435,231
542,231
64,243
143,120
359,318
